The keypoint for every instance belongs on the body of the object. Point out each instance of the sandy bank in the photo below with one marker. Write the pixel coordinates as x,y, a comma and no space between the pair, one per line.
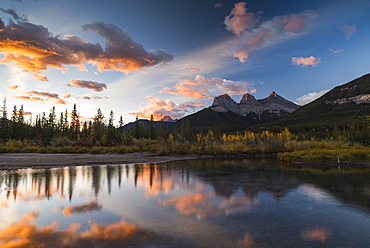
22,160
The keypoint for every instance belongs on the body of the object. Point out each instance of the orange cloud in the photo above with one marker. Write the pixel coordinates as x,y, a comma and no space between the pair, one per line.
33,48
303,62
159,108
85,208
93,85
12,87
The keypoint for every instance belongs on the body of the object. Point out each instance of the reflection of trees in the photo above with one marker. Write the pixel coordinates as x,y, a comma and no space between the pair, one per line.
119,234
225,176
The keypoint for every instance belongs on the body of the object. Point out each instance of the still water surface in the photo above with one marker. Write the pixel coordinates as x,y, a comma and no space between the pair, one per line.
196,203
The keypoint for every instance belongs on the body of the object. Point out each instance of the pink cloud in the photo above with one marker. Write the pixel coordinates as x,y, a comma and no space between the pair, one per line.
218,5
239,20
93,85
348,30
255,34
41,96
206,88
303,62
336,51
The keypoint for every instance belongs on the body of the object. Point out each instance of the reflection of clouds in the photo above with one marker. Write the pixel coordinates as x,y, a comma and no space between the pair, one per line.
314,192
85,208
247,240
25,234
3,204
206,204
316,234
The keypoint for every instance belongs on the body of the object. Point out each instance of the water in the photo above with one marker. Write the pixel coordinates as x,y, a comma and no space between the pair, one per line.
197,203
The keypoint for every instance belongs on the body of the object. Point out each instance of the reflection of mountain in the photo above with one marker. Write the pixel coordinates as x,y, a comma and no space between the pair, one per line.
252,176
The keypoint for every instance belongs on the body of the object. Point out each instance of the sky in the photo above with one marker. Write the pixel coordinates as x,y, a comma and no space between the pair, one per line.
171,58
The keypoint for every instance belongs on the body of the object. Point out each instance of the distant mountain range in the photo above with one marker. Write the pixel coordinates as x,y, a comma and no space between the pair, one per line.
269,108
230,116
346,102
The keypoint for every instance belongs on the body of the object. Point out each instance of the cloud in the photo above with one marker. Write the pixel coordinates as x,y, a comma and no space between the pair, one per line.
93,85
336,51
67,95
316,234
121,52
42,96
13,14
85,208
303,62
204,88
96,235
239,20
255,34
217,5
348,31
310,97
159,108
33,49
12,87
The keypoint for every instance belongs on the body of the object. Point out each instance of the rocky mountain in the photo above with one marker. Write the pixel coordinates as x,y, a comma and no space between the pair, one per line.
338,107
272,107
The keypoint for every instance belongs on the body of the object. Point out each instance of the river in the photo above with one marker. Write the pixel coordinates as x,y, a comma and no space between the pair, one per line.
192,203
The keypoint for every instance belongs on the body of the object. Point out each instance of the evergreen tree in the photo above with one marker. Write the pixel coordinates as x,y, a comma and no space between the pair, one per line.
75,124
98,127
4,134
152,129
111,129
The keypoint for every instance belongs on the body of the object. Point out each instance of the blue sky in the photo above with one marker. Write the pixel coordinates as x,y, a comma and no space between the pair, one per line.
167,57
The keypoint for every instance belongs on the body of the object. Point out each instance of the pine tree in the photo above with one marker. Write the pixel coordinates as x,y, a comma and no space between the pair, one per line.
111,129
98,127
152,128
75,124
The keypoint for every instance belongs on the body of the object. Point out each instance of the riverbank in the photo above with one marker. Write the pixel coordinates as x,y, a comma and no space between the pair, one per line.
39,160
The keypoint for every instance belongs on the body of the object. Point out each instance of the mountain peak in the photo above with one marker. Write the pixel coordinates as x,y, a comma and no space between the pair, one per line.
273,104
273,94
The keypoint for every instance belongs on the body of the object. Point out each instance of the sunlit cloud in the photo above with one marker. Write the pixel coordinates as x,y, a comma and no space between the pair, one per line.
348,30
41,96
204,88
336,51
33,49
93,85
316,234
247,241
218,5
255,34
12,87
85,208
310,97
306,61
239,20
159,108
